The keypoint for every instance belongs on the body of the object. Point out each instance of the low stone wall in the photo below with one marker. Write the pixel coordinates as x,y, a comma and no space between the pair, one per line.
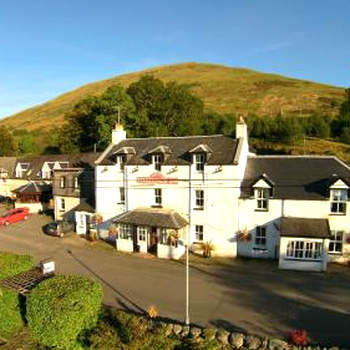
234,340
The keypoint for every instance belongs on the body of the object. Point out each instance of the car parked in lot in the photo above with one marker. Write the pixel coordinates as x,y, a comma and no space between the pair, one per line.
14,215
60,228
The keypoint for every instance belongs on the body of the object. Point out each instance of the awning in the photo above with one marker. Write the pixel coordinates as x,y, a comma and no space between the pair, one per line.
304,227
167,218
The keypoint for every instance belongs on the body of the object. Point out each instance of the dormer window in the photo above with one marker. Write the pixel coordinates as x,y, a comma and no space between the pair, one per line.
338,200
199,160
157,161
262,198
121,160
62,182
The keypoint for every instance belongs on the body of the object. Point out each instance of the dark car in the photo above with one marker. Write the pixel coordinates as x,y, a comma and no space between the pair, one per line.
59,228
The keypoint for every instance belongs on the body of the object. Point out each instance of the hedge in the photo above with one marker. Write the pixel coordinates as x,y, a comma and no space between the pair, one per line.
61,308
12,264
11,318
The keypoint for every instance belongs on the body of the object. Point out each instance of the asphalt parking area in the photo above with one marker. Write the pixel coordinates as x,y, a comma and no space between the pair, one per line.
247,295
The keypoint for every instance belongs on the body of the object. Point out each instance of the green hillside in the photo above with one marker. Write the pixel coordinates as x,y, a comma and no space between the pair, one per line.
223,89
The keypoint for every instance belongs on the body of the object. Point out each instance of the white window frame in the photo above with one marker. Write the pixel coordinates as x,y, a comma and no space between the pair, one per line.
260,236
262,198
142,232
158,200
199,199
337,239
304,250
338,199
199,233
62,204
82,219
121,195
62,182
76,182
163,236
199,160
125,231
157,161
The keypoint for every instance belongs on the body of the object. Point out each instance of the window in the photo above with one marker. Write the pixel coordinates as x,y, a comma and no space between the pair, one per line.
163,236
121,160
304,250
62,204
125,231
122,194
76,182
199,232
199,199
158,196
338,201
336,242
262,196
260,236
82,219
62,182
142,233
199,159
157,161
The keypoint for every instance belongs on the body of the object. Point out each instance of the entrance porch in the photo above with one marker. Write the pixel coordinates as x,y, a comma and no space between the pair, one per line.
156,231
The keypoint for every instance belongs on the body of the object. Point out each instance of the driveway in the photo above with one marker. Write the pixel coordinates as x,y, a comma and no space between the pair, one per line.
247,295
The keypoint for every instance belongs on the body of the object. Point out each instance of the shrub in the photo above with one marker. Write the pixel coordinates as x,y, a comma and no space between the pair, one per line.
298,337
11,319
12,264
61,308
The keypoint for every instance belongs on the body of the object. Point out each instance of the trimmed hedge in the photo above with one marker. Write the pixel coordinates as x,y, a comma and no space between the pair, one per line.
12,264
61,308
11,319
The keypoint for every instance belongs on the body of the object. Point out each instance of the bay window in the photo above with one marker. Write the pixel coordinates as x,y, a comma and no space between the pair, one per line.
304,250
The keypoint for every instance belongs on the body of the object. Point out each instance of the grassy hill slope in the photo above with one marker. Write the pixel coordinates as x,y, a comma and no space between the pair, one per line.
223,89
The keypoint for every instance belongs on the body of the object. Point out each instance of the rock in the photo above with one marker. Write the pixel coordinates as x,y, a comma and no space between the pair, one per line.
237,340
177,329
168,329
185,331
252,342
222,336
195,332
278,344
209,333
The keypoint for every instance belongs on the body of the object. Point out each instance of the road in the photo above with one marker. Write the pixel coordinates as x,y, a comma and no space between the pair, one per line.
243,295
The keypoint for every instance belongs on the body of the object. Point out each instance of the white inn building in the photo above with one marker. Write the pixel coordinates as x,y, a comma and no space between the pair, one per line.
157,193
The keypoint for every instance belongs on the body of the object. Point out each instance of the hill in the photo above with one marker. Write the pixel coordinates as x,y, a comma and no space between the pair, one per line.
223,89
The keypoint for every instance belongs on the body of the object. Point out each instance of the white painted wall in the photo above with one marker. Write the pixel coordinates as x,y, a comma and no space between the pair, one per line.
169,252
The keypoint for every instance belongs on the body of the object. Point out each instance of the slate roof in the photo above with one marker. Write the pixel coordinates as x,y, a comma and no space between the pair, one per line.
33,188
295,177
302,227
167,218
79,160
84,206
223,148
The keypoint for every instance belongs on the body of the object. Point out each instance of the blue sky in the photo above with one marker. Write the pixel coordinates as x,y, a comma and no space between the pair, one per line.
50,47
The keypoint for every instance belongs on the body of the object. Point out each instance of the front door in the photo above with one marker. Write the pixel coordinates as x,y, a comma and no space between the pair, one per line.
153,241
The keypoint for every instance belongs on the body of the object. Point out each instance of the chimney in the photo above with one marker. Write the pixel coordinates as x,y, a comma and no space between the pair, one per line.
241,129
118,133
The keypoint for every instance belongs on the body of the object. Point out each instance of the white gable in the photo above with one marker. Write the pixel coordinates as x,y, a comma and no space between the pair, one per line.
261,184
339,184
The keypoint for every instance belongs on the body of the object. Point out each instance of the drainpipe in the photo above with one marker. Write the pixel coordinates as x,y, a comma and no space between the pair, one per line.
187,320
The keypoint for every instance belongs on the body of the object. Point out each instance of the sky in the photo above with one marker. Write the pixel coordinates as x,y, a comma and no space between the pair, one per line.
50,47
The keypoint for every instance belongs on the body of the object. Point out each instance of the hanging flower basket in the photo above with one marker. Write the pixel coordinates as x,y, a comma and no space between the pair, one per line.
244,236
112,230
98,218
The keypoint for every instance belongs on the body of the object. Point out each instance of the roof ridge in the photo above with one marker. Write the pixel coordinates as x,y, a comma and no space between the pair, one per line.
173,137
293,156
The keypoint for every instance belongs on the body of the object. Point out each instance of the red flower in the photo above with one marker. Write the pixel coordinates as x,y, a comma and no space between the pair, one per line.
298,337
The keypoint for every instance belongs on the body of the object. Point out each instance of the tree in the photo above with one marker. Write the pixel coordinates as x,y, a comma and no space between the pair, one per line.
8,144
91,120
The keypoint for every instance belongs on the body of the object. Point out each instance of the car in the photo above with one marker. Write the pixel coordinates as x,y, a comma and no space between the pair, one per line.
14,215
60,228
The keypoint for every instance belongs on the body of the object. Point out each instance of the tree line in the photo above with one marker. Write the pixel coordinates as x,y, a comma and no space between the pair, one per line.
150,107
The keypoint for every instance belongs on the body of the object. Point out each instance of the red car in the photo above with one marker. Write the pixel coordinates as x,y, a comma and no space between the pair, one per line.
14,215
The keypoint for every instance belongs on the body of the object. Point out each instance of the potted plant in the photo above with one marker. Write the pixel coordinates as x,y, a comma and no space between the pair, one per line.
173,238
112,230
207,248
